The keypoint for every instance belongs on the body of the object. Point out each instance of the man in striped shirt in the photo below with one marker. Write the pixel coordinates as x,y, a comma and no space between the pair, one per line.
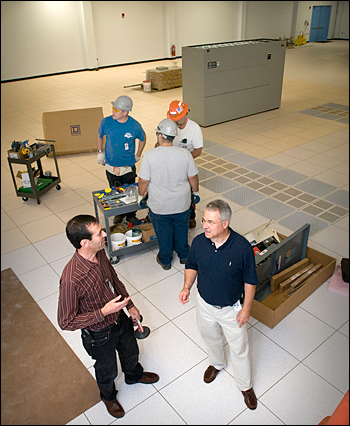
92,299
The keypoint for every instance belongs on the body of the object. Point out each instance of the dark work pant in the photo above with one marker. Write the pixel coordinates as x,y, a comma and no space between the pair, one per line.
116,181
172,234
102,345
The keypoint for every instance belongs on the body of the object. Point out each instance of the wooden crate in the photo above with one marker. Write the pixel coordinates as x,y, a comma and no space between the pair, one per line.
165,79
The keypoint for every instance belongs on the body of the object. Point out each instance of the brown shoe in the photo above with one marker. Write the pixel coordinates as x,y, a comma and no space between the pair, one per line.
250,398
165,267
192,223
148,378
210,374
114,408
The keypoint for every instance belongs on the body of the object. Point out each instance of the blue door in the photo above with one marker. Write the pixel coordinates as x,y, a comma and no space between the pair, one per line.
321,16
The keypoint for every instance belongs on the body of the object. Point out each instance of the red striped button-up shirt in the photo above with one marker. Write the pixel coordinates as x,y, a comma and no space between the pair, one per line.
85,287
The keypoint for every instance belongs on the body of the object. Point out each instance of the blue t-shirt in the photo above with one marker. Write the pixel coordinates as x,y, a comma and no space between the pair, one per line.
222,271
120,140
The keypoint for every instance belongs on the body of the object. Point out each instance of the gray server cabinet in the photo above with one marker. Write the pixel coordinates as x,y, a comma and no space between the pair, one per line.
225,81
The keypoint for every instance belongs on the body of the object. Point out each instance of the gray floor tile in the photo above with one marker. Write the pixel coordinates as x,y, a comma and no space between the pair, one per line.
339,211
204,173
219,184
272,209
220,151
328,116
288,177
340,197
296,203
297,219
263,167
243,196
329,217
240,158
292,191
322,204
208,144
316,187
310,112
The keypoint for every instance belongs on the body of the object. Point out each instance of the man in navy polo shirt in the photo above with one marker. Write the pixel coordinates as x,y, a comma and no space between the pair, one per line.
223,263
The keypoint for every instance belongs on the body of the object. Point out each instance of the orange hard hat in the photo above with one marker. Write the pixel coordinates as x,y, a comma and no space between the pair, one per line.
177,110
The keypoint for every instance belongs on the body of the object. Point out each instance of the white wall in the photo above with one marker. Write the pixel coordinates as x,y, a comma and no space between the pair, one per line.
269,19
40,37
48,37
139,36
342,21
206,22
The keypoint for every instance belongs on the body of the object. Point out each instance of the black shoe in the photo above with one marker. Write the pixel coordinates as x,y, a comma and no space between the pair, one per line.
165,267
183,261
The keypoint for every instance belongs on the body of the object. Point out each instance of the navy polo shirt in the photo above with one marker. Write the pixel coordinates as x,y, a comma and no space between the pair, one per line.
222,271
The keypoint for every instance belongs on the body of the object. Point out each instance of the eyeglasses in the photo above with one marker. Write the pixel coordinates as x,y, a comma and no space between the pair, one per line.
210,222
116,110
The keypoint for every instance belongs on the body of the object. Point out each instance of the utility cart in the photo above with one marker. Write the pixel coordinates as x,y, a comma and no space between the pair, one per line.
39,182
119,209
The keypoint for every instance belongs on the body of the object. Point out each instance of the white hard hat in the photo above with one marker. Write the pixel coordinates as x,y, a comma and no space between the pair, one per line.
167,127
123,102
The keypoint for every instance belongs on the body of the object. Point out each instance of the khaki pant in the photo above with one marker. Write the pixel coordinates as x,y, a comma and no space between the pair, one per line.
211,323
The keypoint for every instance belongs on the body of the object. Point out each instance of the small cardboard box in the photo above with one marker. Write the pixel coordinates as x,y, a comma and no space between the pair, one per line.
13,154
74,131
24,176
148,232
278,305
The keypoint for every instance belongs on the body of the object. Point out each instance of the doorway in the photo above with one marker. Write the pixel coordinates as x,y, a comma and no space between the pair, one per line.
321,16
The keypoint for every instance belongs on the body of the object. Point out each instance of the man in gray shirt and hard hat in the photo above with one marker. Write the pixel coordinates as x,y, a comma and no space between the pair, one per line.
170,173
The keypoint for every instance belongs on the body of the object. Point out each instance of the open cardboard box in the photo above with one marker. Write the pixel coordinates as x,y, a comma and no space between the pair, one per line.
277,305
74,131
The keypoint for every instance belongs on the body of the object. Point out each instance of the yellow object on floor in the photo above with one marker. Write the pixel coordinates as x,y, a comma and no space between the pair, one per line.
300,40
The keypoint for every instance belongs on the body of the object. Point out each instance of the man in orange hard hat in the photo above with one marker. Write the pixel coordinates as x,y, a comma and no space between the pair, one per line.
189,136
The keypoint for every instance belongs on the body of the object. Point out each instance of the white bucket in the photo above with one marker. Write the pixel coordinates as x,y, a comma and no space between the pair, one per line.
118,241
133,237
147,85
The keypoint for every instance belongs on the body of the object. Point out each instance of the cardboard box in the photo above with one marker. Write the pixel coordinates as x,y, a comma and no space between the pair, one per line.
148,232
278,305
74,131
24,176
13,154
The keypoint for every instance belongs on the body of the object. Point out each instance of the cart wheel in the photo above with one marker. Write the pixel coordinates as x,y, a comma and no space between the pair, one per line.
38,201
24,198
58,187
114,260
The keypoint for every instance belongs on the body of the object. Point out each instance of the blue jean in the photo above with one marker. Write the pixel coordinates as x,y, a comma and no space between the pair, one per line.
172,234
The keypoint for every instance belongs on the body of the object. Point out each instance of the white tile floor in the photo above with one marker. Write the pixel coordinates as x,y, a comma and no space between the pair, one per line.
301,367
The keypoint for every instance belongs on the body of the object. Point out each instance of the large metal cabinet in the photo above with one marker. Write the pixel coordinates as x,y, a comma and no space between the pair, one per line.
225,81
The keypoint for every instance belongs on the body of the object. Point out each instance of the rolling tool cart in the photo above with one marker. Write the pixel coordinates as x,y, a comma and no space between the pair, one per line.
116,206
39,182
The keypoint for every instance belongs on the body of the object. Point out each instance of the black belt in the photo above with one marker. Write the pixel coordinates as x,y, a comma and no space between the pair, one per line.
109,326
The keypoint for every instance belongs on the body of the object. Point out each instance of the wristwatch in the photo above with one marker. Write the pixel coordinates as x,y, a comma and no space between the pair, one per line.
99,150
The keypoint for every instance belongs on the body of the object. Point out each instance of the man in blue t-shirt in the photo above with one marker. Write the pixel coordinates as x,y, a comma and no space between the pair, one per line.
223,263
121,132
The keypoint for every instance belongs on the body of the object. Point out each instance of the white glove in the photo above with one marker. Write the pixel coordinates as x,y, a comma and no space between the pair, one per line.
137,158
101,159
